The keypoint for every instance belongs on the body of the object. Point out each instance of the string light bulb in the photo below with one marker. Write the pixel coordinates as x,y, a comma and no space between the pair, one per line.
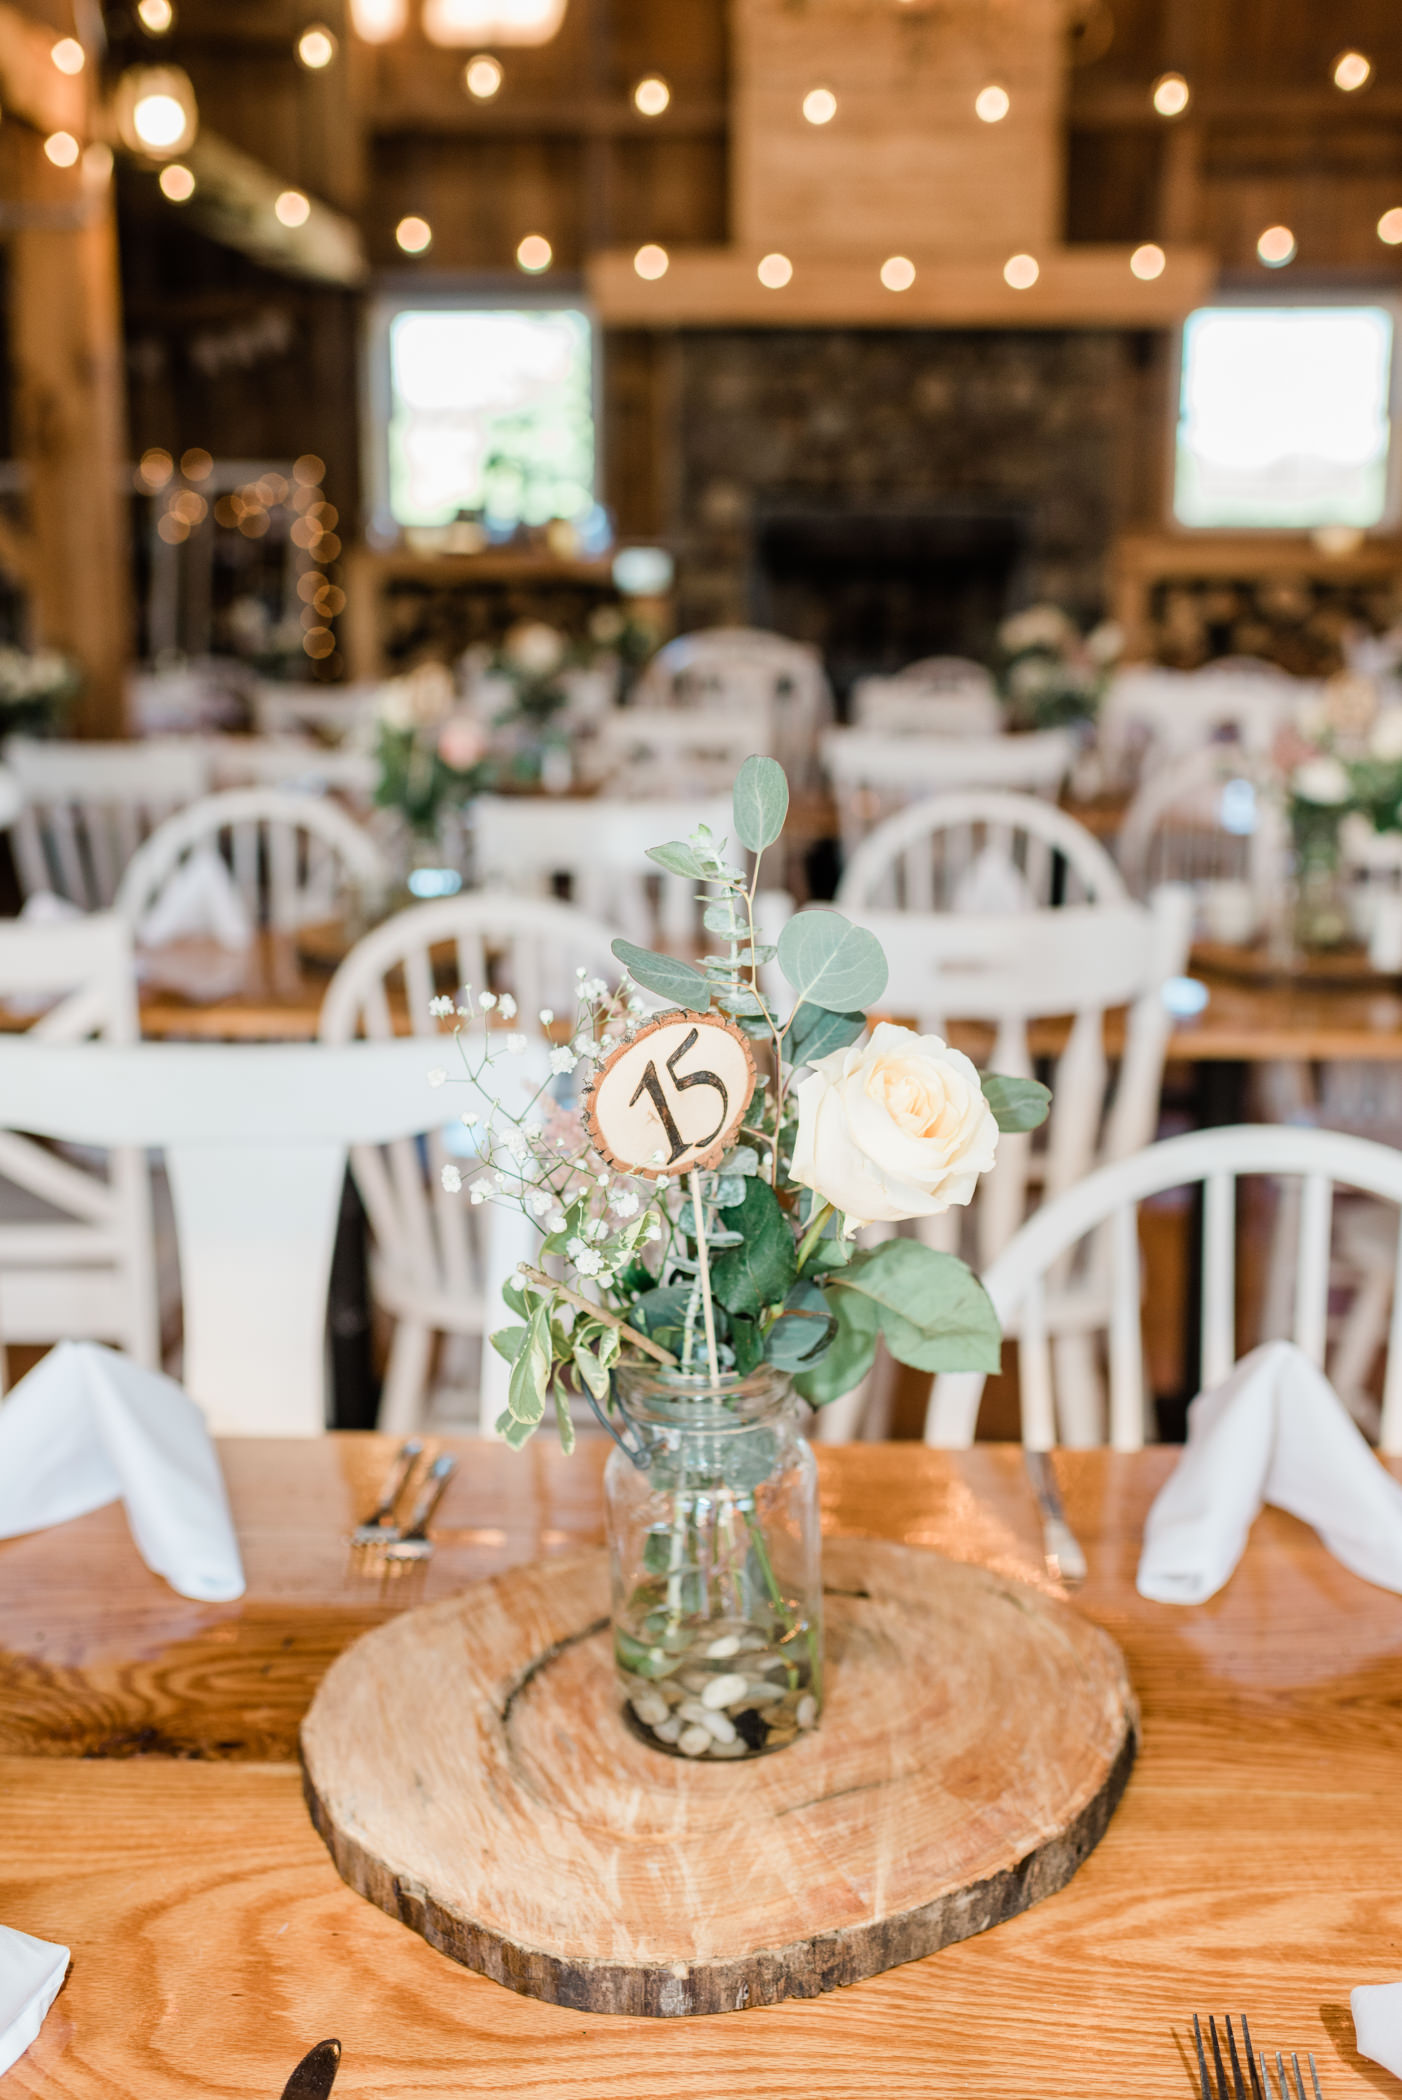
1148,262
1390,227
68,55
1352,71
819,105
157,17
157,114
1171,94
316,48
1021,272
898,273
414,235
293,208
651,96
651,262
1276,247
379,21
991,105
482,76
457,22
534,254
774,272
176,181
62,149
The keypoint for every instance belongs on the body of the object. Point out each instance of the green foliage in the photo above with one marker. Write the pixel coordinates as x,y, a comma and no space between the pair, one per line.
664,975
853,1349
803,1330
1017,1104
761,802
816,1032
932,1309
831,962
678,859
760,1272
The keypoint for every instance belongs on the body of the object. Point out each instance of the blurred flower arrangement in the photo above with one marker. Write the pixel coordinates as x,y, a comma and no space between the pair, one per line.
35,689
1052,675
1341,764
432,751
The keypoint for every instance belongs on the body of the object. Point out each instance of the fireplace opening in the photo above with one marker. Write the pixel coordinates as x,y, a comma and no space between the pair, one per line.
876,590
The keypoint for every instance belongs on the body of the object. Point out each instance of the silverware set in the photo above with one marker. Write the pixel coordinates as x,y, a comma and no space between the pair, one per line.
395,1534
1256,2085
1061,1549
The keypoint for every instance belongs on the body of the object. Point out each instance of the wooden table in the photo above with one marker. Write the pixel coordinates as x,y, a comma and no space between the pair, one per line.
1254,1863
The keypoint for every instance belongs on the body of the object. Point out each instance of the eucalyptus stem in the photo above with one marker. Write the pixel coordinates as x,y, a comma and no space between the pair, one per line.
597,1312
814,1232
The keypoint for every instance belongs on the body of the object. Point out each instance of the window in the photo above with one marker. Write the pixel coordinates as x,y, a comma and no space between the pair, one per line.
490,413
1284,418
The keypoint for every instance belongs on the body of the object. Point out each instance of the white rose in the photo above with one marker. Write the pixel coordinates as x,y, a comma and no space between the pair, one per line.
1385,740
893,1128
1322,780
534,648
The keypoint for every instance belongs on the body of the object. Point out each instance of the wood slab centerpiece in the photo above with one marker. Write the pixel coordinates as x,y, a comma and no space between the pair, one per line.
472,1774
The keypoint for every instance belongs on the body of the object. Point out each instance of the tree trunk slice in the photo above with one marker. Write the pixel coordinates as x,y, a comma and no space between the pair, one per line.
469,1769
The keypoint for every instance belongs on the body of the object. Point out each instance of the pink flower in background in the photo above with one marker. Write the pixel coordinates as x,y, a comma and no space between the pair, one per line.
462,743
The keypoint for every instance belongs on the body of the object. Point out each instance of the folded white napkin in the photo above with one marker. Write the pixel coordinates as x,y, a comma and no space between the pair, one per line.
30,1973
1377,2023
993,885
199,901
1274,1431
86,1426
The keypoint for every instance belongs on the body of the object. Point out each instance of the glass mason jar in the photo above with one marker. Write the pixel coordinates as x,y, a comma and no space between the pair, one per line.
716,1564
1321,916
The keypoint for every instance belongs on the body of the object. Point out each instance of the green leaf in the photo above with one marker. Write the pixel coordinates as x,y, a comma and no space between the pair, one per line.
761,1272
509,1341
513,1432
801,1334
816,1032
748,1344
761,802
739,1001
831,962
657,1551
852,1353
1017,1104
516,1300
723,918
591,1371
664,975
562,1419
530,1373
934,1312
679,859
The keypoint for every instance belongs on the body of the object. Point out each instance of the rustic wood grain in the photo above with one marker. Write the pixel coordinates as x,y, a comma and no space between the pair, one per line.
471,1773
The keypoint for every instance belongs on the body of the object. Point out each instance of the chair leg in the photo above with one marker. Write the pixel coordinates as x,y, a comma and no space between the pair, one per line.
406,1378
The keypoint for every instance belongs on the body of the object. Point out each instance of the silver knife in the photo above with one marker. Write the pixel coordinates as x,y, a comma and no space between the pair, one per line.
315,2074
1060,1546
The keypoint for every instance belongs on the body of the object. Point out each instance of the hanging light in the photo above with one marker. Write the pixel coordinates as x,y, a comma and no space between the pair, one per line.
820,105
774,271
414,235
1148,262
156,110
157,17
316,47
1352,71
460,22
898,273
1276,247
991,104
482,76
651,262
293,208
379,21
68,55
535,253
1021,272
651,96
1171,94
177,183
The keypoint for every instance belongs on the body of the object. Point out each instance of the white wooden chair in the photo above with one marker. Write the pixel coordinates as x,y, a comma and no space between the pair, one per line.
77,1257
439,1262
873,775
87,808
297,765
1102,1209
1211,818
660,753
932,855
598,848
949,970
255,1139
1151,715
335,711
752,672
903,707
294,858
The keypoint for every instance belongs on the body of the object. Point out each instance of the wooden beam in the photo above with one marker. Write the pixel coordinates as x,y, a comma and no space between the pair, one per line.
31,85
1078,287
234,202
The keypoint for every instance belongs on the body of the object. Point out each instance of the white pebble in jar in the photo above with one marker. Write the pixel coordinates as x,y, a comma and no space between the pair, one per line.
694,1741
723,1691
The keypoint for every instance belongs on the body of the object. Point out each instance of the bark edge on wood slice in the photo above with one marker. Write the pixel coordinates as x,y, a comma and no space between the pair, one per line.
470,1773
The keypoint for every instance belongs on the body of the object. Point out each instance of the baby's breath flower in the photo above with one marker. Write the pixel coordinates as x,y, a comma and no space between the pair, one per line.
451,1180
561,1060
585,1046
575,1247
602,1180
555,1221
469,1119
595,1229
581,973
547,1015
506,1007
437,1076
588,1262
653,1229
482,1189
623,1203
594,988
441,1008
537,1202
515,1044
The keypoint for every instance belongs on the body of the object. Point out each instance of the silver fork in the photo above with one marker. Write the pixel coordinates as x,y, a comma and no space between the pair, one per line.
414,1543
1061,1549
379,1527
1261,2087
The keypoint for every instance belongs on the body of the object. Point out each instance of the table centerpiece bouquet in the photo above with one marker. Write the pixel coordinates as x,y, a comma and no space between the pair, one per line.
433,757
1340,763
698,1202
36,689
1052,676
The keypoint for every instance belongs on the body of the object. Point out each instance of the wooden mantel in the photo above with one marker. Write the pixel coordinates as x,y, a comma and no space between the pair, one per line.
1087,286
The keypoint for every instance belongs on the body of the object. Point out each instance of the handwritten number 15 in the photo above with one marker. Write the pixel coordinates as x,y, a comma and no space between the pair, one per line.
651,1085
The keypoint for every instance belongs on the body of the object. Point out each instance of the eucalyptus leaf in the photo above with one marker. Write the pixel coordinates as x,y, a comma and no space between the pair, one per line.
1017,1104
802,1332
761,803
679,859
727,1189
664,975
853,1349
723,918
748,1344
934,1312
831,962
760,1271
509,1341
816,1032
739,1001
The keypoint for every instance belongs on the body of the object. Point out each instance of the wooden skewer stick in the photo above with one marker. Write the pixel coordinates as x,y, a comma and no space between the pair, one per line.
597,1312
703,1264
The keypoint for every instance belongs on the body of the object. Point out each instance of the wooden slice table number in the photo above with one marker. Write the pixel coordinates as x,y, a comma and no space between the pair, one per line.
672,1097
